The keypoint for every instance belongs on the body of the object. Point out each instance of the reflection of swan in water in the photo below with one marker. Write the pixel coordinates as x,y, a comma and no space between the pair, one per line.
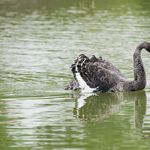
146,121
97,75
97,107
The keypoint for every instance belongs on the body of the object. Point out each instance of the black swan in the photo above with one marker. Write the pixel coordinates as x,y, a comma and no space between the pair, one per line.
97,75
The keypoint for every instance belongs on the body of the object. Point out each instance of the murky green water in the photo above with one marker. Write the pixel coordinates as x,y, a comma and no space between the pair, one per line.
38,42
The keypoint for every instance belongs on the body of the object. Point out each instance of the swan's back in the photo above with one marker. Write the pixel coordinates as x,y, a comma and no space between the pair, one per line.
94,74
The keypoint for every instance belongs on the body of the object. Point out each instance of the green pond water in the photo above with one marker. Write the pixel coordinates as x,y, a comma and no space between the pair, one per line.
39,40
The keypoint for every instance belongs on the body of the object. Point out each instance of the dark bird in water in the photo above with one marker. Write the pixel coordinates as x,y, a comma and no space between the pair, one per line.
98,75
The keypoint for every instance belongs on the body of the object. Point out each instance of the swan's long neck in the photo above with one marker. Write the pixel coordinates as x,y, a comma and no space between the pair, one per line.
139,71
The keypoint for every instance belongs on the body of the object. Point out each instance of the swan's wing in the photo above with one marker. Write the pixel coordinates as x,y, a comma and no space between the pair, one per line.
95,73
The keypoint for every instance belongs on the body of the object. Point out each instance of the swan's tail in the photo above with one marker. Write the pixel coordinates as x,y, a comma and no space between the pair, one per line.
71,85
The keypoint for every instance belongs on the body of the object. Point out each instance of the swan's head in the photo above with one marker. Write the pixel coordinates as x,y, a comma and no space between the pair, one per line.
145,45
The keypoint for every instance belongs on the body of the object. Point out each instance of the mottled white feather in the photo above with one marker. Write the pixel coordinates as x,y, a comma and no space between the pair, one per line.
83,85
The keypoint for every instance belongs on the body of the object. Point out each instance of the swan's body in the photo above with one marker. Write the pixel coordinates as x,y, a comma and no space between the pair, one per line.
97,75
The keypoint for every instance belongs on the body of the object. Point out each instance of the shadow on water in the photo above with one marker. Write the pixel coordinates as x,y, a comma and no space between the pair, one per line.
108,117
100,120
91,108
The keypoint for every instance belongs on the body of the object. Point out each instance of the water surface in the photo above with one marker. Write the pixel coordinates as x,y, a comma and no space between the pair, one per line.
39,41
